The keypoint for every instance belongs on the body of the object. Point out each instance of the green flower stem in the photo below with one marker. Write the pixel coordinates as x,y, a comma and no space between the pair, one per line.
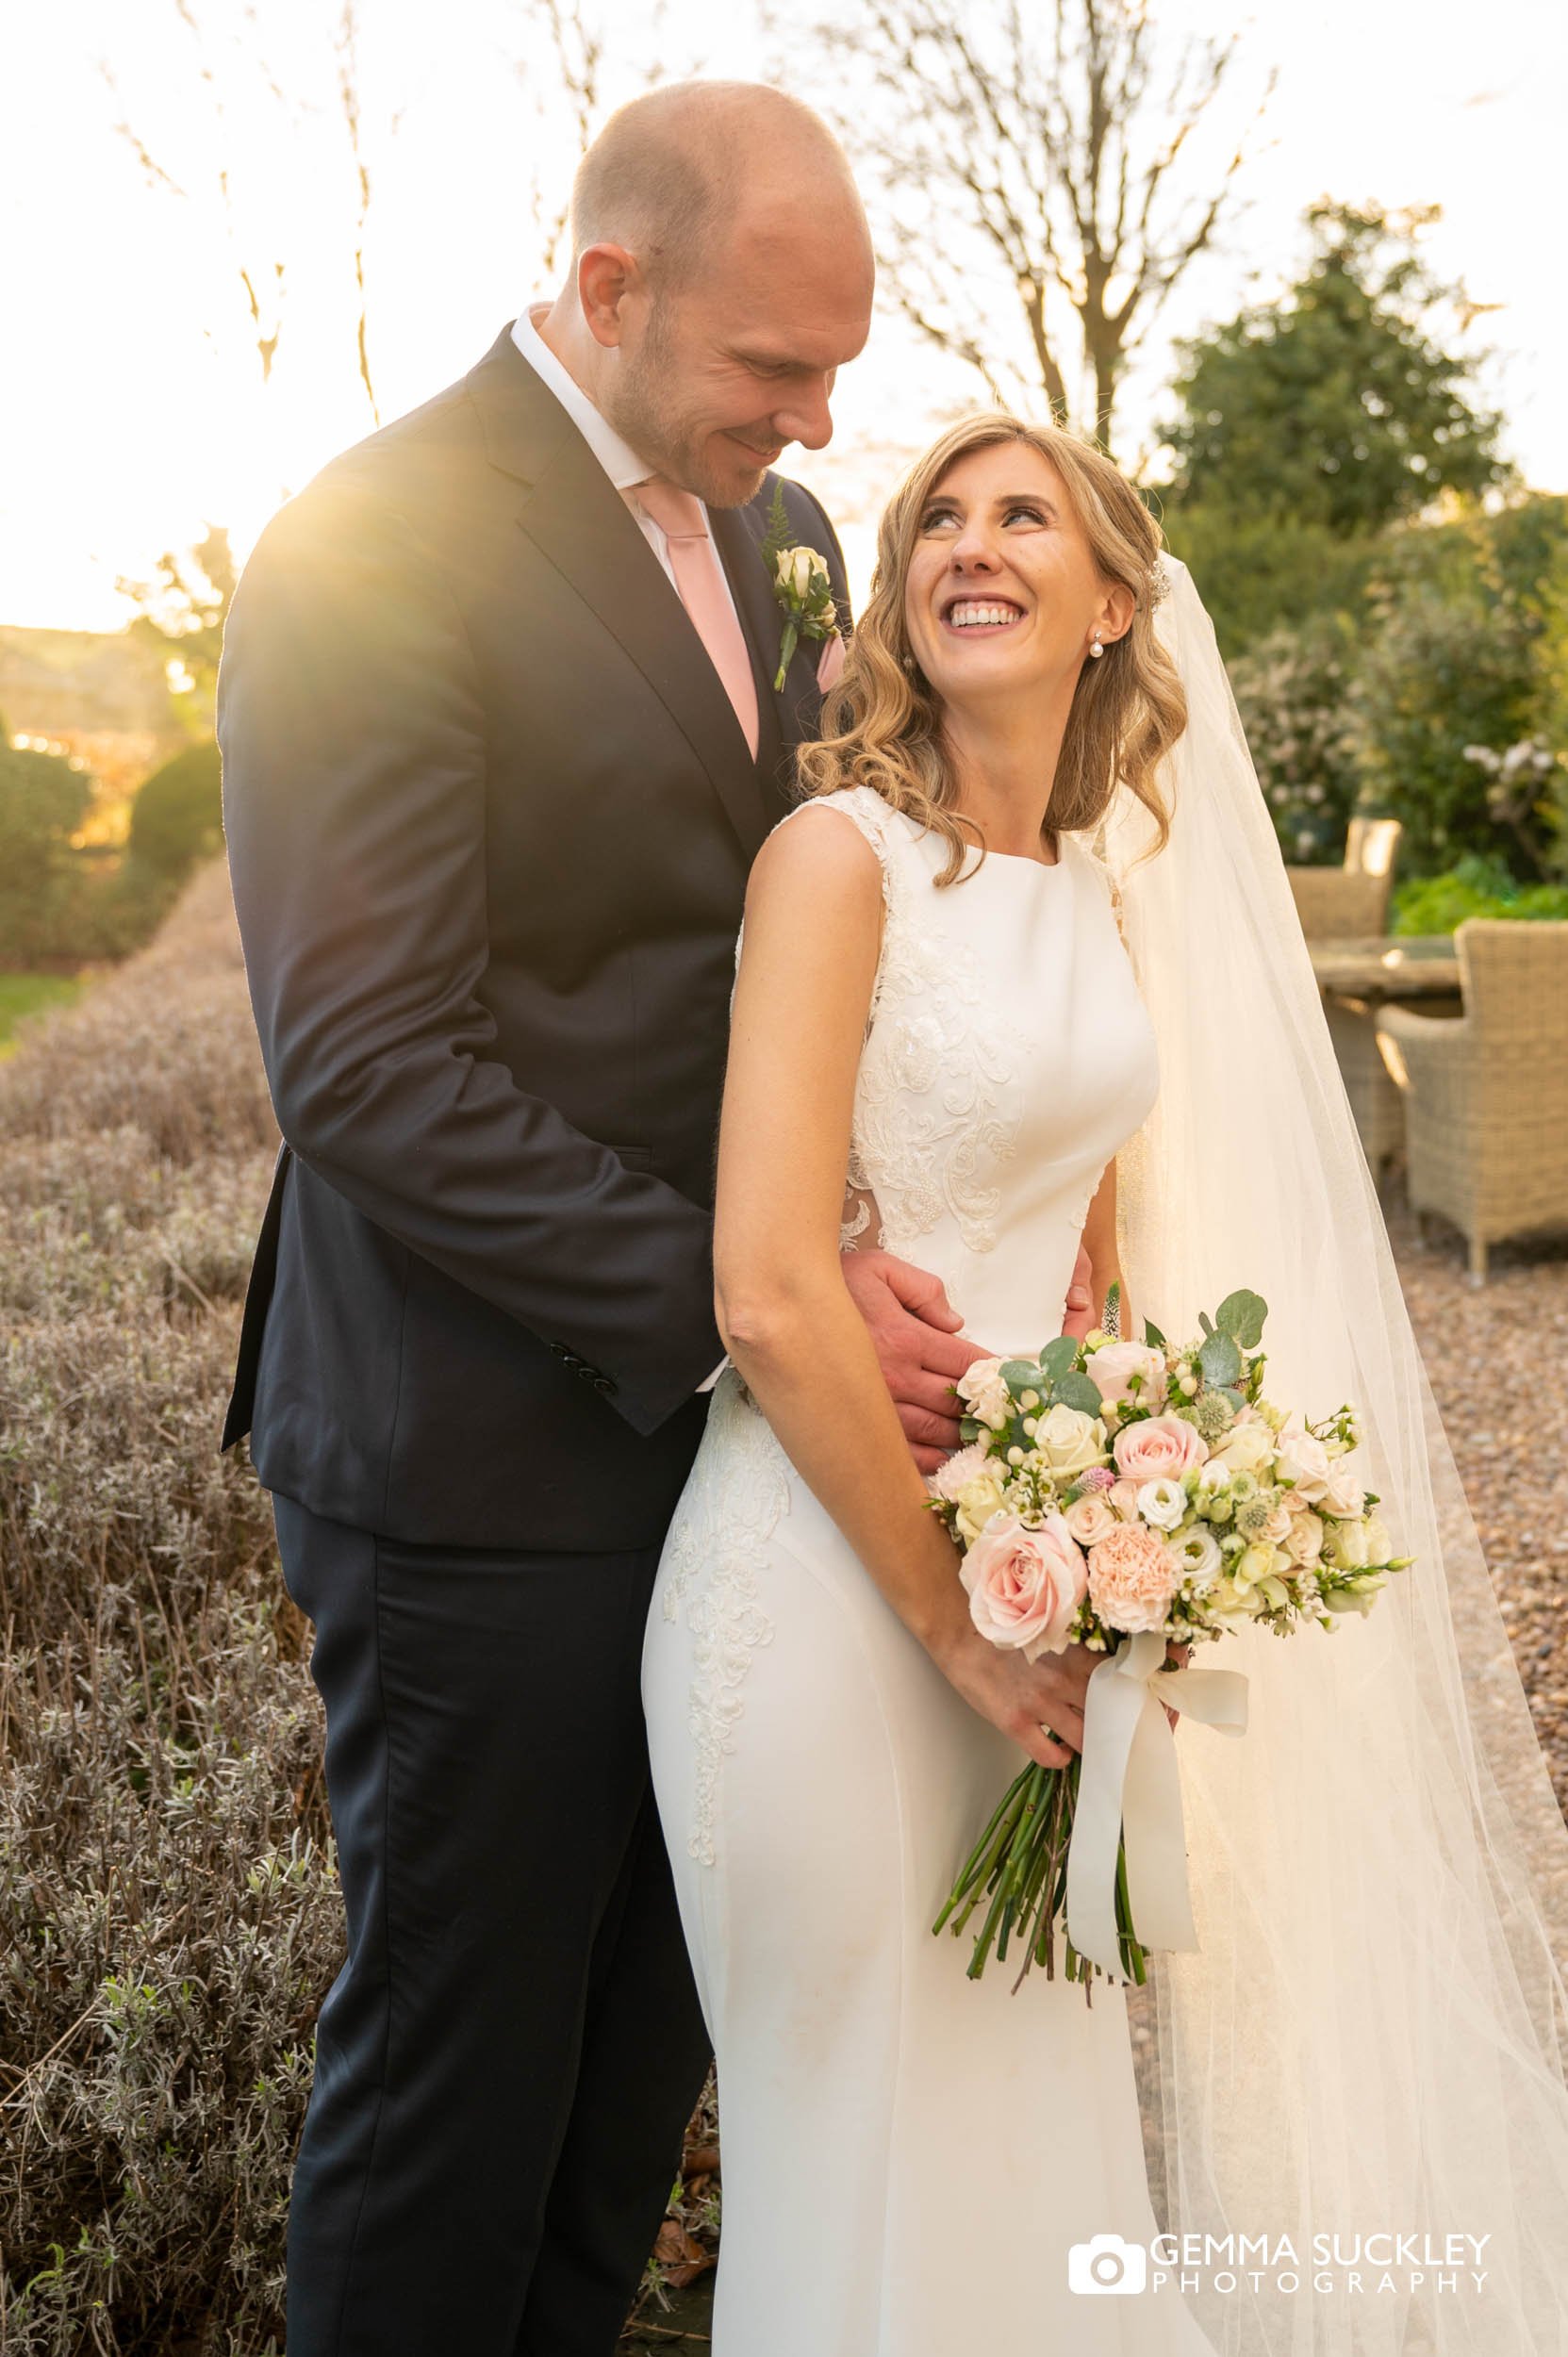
985,1858
787,650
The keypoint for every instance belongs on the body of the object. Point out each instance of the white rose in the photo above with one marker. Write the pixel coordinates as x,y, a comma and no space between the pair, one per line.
1304,1539
1246,1448
984,1392
1114,1368
1345,1546
978,1501
1066,1441
797,568
1303,1461
1162,1503
1343,1494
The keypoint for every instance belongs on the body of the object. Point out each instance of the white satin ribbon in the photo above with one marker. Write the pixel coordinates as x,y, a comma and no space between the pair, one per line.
1129,1787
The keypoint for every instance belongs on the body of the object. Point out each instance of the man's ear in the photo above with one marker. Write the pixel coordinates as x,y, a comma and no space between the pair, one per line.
606,274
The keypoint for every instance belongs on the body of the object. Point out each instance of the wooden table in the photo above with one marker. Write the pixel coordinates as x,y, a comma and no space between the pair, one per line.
1357,978
1414,965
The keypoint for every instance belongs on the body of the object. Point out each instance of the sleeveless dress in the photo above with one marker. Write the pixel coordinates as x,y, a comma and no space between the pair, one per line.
909,2157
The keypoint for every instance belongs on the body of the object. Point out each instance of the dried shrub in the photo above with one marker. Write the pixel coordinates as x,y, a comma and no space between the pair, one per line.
170,1918
169,1912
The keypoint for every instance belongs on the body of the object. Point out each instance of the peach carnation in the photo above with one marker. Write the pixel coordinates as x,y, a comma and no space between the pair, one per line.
1131,1578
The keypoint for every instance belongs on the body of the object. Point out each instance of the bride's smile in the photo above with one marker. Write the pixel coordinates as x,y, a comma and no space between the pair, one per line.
1002,596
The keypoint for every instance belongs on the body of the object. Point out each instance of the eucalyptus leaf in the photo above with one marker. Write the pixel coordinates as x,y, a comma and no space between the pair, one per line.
1220,1359
1237,1399
1206,1321
1242,1314
1057,1358
1153,1339
1077,1390
1020,1374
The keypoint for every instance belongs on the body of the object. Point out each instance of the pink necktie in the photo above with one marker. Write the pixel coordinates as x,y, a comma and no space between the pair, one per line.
700,579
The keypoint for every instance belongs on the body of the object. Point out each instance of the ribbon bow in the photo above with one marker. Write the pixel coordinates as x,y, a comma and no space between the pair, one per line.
1130,1789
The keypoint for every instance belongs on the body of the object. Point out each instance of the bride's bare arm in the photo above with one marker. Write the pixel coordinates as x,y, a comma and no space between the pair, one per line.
1099,1241
808,962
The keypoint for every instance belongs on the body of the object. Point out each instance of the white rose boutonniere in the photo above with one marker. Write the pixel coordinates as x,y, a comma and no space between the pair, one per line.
802,584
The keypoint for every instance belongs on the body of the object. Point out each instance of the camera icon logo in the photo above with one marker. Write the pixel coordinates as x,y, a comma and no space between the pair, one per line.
1107,2264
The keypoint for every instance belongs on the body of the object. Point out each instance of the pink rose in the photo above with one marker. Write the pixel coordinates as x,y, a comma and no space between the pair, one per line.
1089,1518
1124,1497
1025,1585
1131,1578
1161,1447
1112,1368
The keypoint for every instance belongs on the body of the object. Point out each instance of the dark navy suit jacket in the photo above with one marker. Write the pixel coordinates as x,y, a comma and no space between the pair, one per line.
489,817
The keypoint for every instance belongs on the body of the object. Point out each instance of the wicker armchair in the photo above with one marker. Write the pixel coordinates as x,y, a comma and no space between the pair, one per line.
1350,901
1486,1094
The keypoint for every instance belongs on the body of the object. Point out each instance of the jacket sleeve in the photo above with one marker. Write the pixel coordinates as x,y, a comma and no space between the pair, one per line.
353,745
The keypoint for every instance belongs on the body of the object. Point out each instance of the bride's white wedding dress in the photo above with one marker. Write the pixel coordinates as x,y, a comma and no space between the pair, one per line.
909,2155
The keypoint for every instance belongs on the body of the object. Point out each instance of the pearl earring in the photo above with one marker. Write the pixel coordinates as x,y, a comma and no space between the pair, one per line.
909,663
1097,649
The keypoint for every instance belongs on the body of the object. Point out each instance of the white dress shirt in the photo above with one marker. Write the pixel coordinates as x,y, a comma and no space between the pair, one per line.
620,463
617,458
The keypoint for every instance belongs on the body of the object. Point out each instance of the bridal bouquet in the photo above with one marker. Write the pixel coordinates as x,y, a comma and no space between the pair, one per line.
1131,1497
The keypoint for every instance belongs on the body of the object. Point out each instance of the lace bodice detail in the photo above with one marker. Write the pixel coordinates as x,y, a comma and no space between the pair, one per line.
1007,1057
944,1094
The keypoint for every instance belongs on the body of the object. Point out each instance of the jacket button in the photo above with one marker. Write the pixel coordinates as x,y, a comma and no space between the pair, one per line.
602,1383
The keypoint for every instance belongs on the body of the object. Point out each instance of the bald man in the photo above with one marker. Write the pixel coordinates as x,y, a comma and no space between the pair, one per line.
499,740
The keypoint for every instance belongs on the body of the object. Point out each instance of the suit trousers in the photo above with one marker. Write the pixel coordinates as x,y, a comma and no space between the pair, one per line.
506,2061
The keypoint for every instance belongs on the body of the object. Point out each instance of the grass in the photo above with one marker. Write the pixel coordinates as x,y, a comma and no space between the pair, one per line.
21,995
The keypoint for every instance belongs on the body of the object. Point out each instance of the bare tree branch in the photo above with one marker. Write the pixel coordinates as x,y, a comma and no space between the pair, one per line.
1053,140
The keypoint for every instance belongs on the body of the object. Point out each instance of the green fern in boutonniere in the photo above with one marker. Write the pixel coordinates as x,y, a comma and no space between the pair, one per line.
801,584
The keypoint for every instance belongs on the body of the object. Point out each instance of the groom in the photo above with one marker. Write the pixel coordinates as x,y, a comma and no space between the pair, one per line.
500,741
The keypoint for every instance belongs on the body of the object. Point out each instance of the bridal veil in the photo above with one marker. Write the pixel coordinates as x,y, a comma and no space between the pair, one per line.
1368,2042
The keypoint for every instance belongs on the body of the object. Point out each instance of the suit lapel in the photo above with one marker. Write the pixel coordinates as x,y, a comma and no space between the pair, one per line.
578,520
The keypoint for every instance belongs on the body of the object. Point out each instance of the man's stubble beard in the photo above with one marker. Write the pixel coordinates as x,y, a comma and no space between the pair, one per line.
638,403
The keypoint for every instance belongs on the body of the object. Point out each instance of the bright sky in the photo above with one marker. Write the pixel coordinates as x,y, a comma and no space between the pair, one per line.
131,409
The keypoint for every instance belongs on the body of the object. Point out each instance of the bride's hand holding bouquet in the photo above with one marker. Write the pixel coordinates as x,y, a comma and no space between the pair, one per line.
1124,1502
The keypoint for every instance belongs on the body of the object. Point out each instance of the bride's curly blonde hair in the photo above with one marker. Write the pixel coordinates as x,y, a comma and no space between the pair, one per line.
881,722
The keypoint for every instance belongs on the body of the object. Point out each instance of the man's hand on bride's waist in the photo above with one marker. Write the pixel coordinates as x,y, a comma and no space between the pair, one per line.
915,1332
914,1329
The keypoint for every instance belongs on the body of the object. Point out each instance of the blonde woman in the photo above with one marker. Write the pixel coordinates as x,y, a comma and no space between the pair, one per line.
932,998
941,1042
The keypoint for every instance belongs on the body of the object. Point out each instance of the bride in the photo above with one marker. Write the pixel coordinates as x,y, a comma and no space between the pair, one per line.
1026,966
